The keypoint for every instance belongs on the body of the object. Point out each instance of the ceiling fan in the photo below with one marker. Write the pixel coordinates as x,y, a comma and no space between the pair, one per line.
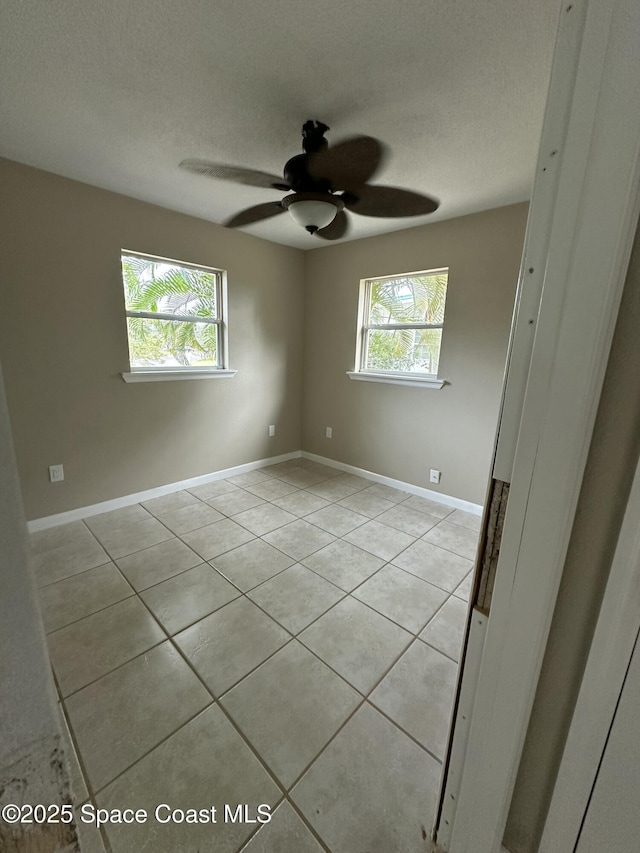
324,181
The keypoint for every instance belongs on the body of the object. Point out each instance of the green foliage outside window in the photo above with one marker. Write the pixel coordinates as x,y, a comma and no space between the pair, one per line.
406,300
159,287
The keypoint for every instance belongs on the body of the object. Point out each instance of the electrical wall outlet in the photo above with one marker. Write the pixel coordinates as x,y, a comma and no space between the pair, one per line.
434,476
328,432
272,429
56,473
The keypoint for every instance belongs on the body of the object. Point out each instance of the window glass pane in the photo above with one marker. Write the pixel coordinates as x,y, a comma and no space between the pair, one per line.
404,350
165,288
408,299
169,343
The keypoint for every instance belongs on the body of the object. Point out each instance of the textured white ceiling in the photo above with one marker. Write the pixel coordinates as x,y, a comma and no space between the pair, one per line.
117,92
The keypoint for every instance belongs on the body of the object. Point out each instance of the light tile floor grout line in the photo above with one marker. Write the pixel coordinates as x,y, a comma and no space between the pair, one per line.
120,665
160,742
333,501
214,701
404,731
230,517
100,609
81,764
307,823
245,594
365,697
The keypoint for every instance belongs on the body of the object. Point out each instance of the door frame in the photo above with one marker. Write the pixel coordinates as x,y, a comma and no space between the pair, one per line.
611,650
583,257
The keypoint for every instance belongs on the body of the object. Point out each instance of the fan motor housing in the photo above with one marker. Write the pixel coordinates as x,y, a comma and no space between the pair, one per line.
296,174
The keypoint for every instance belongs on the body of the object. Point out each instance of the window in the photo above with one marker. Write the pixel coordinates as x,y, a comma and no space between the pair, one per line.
401,322
175,318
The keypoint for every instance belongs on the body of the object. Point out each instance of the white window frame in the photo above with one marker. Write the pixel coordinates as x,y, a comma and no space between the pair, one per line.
362,373
150,373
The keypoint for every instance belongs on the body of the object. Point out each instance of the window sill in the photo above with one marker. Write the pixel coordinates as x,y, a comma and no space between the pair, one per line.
175,375
397,379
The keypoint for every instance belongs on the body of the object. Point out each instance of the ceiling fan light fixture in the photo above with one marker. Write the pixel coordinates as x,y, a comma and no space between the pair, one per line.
312,210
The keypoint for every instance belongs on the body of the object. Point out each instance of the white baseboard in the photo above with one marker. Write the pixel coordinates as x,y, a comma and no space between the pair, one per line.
448,500
128,500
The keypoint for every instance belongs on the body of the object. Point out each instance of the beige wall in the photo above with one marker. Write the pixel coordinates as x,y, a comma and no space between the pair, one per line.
608,476
63,345
397,431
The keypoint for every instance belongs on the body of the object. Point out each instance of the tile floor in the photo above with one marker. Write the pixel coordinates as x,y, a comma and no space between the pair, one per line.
288,637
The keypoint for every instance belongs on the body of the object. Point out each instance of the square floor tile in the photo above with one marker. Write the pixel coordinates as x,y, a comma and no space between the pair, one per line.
418,694
205,763
56,537
166,503
215,539
343,564
263,519
296,597
156,564
134,537
366,503
250,478
213,490
237,501
228,644
299,539
387,492
446,630
252,564
80,595
301,503
272,489
189,518
379,539
463,590
454,538
92,647
116,518
129,711
301,478
285,833
402,597
436,508
289,708
466,519
357,642
334,489
67,560
372,789
325,470
353,480
408,520
434,564
187,597
336,519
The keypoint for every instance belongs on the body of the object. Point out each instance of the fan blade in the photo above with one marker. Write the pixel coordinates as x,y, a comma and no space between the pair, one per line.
251,177
348,164
389,202
255,214
336,229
